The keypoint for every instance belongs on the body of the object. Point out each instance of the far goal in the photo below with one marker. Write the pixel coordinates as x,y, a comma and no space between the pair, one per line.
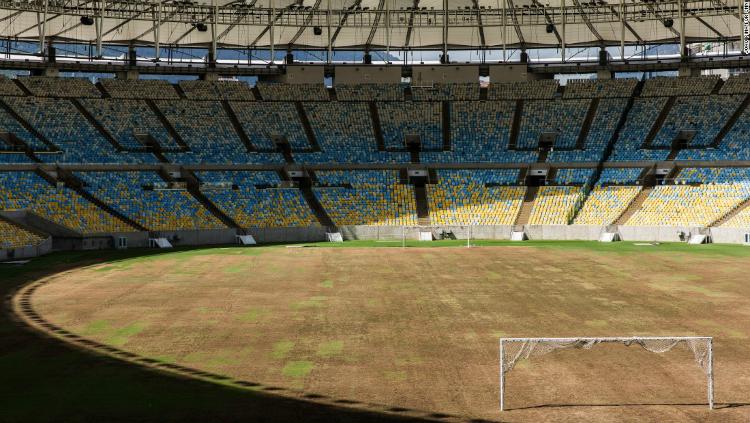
513,350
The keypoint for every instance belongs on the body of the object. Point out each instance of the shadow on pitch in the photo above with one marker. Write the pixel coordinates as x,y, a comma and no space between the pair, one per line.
717,406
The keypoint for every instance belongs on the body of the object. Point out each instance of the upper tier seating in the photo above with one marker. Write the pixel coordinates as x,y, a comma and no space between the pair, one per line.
716,175
9,88
255,199
42,86
206,128
125,119
542,89
684,85
463,197
64,126
555,205
637,126
442,92
399,119
61,205
600,88
217,90
603,126
345,134
156,210
563,117
375,198
705,115
733,146
578,176
9,124
13,158
292,92
370,92
620,176
263,120
738,84
480,132
12,236
689,206
154,89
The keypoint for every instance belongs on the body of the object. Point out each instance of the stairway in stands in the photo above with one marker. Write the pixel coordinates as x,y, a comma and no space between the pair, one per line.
730,123
730,214
193,187
516,125
528,204
305,187
634,206
423,208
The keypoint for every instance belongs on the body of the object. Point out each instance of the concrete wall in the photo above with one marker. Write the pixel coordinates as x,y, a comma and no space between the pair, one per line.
511,73
386,233
291,234
367,74
445,74
729,235
26,252
563,232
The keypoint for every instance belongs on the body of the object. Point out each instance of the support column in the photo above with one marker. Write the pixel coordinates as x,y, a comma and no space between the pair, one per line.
681,4
271,34
43,28
622,29
157,25
562,34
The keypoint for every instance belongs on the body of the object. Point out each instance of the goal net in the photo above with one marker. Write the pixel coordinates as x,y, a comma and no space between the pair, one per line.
513,350
402,234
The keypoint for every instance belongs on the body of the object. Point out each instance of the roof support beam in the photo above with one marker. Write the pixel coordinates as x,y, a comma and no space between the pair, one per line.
344,19
43,28
329,57
410,29
306,22
517,27
445,59
549,20
562,38
482,40
710,28
586,20
623,22
375,25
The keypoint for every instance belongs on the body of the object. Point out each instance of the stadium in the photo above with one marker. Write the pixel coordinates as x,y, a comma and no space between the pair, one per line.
375,210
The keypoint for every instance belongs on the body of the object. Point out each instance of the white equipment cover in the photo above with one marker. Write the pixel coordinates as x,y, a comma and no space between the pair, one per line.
513,350
162,242
697,239
608,237
334,237
518,236
246,239
425,236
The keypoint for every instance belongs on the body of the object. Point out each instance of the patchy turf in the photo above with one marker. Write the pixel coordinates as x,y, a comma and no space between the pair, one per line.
417,328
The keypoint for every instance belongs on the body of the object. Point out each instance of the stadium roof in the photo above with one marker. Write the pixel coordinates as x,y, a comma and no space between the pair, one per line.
372,24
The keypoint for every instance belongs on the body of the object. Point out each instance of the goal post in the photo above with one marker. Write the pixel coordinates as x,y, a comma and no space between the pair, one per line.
513,350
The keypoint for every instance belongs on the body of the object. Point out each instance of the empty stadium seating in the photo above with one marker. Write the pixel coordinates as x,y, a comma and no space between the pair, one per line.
686,86
263,121
555,205
217,90
475,197
9,88
705,115
613,193
543,89
43,86
369,92
61,205
12,236
564,118
292,92
400,119
443,92
142,196
256,199
637,126
154,89
594,88
371,197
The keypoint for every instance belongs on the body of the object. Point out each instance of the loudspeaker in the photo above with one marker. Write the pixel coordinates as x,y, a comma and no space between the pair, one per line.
132,58
603,57
317,30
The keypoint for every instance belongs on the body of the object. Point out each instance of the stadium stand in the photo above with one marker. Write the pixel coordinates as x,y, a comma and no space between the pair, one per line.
153,89
370,197
614,191
64,126
292,92
127,119
480,133
399,119
10,125
737,84
256,199
596,88
475,197
603,126
444,92
705,115
561,117
262,121
733,146
144,197
577,176
684,86
206,128
42,86
555,205
28,191
370,92
217,90
9,88
12,236
532,90
637,126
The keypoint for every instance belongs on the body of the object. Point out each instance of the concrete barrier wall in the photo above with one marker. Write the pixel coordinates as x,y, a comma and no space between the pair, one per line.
290,234
26,252
563,232
729,235
395,233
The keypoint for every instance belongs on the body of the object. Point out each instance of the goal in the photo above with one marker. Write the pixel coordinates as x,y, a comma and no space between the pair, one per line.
513,350
402,234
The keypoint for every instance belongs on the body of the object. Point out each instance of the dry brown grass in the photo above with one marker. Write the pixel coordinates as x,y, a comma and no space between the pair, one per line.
418,328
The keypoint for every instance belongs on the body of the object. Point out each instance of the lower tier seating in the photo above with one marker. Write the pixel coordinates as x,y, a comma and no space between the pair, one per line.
12,236
605,204
686,205
372,197
555,205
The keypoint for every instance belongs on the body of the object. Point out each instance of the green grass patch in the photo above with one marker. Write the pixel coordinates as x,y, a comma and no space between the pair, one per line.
331,348
327,284
252,315
282,349
297,369
121,336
